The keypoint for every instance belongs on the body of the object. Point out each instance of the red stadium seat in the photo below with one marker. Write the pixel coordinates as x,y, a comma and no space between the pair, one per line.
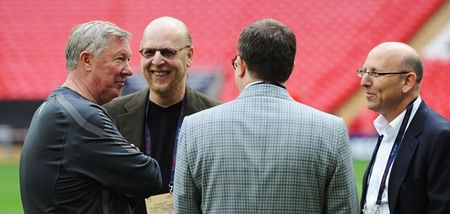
333,38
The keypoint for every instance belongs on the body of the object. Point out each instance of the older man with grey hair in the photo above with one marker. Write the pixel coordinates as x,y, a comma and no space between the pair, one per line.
74,160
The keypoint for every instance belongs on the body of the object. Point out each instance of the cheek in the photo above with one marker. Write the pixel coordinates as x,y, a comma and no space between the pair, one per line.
114,72
389,92
182,68
146,76
378,88
144,63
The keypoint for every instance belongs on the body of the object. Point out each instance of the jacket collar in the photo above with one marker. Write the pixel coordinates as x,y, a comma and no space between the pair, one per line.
140,101
132,121
266,90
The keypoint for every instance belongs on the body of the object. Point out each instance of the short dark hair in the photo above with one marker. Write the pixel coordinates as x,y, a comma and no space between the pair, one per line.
413,63
268,49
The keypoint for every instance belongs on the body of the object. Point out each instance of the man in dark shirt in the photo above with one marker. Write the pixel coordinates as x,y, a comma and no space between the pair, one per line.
74,160
152,117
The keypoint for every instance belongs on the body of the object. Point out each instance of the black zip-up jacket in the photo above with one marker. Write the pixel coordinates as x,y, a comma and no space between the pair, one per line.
74,160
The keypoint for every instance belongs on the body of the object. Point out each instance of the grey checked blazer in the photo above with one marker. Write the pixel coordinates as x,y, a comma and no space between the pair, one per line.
264,153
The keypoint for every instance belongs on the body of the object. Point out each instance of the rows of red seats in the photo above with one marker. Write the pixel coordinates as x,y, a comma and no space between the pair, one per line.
333,38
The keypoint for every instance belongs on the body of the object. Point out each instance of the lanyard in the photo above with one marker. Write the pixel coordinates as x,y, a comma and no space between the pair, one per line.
394,151
148,140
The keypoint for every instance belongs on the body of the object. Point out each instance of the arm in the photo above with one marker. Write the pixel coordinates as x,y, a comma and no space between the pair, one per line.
97,150
438,173
341,195
186,196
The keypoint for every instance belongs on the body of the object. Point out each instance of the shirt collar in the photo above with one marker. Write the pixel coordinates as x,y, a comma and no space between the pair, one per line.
252,83
383,127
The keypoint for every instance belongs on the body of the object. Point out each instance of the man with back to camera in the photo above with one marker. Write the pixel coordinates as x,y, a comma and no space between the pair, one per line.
410,168
264,152
74,159
151,118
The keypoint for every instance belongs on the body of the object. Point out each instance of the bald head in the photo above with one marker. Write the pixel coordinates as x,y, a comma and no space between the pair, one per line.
398,84
396,46
169,28
398,56
168,53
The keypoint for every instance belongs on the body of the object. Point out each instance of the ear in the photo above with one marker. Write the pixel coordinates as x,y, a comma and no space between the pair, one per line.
409,82
85,60
190,56
242,68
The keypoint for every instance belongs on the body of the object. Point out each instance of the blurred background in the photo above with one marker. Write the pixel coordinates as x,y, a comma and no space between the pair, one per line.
333,39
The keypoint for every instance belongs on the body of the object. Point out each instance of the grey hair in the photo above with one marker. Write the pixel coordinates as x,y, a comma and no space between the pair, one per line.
90,36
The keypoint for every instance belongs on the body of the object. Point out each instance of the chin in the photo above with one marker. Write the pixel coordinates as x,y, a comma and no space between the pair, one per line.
159,88
110,96
372,107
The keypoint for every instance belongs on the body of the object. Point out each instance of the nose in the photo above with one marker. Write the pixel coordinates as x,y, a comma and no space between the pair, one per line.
365,80
158,59
127,69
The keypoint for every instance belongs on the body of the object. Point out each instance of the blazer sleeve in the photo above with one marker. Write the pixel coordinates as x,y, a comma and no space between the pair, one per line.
186,196
341,195
438,171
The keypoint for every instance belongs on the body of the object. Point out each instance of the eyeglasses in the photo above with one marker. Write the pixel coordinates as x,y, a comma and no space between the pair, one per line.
375,74
234,62
168,53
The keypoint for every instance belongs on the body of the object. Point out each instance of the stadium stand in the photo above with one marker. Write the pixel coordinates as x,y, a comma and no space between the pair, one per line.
333,39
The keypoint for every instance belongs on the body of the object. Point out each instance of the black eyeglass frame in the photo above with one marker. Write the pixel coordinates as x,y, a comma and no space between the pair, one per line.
167,53
375,74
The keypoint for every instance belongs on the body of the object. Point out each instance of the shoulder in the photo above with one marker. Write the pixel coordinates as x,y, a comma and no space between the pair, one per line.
208,114
88,116
430,127
438,120
315,116
53,109
118,103
64,101
79,108
436,126
288,109
432,119
196,101
194,95
67,106
207,100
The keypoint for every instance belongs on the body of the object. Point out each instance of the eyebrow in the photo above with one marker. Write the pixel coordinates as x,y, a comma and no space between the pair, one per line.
371,69
122,52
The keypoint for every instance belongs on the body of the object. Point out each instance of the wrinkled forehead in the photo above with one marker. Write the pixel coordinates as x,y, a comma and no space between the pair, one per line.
116,44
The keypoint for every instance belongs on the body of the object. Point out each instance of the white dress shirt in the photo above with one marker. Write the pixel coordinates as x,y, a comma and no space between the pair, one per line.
389,131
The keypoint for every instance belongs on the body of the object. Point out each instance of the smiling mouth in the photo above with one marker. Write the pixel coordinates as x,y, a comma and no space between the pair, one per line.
369,95
120,83
160,73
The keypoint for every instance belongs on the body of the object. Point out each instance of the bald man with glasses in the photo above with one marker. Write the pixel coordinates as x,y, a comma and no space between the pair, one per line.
410,168
151,118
